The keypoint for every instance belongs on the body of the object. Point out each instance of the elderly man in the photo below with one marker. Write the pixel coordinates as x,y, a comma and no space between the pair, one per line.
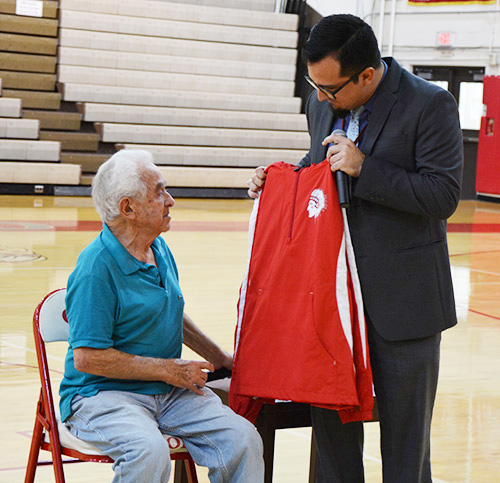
124,384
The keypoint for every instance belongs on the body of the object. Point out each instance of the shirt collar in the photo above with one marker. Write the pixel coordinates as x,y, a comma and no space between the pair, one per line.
127,263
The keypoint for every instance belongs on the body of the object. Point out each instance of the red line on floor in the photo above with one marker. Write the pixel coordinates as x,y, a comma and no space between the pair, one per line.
209,226
486,315
89,225
29,366
473,253
473,227
93,225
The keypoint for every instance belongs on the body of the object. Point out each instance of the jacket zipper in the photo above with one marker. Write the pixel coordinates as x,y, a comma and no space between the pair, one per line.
294,203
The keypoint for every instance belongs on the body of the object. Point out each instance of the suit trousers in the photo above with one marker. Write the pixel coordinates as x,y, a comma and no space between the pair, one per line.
405,376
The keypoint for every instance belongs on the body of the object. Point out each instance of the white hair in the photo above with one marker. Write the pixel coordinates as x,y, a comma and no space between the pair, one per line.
117,178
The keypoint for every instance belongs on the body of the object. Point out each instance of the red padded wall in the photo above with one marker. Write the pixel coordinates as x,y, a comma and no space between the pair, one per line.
488,151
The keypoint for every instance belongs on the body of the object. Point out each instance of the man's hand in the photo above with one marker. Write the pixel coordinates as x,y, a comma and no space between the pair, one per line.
344,155
188,374
115,364
256,184
224,360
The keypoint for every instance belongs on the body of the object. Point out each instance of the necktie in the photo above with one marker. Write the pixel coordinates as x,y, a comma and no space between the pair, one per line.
353,129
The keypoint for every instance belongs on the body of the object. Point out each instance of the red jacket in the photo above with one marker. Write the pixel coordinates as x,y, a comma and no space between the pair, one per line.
301,333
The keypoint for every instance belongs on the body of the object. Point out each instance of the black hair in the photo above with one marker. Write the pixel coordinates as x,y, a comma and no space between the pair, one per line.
347,39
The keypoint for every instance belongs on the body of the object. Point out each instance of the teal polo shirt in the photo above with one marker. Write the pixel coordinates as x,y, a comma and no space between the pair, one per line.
114,300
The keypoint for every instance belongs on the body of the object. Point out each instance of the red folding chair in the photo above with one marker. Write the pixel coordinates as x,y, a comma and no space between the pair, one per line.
50,434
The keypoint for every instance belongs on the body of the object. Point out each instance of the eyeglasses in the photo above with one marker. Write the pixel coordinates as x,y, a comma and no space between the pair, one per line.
327,92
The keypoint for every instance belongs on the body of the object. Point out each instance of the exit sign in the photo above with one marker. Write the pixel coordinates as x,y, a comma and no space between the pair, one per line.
445,40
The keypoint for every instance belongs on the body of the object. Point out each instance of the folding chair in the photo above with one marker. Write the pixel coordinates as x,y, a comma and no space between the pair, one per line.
50,434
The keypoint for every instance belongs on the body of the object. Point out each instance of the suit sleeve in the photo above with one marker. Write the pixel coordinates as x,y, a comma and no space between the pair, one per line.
433,188
306,160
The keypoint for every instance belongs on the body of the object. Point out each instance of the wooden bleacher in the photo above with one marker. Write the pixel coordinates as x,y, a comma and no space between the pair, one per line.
29,156
159,19
9,107
172,116
229,68
28,150
220,157
214,178
261,5
206,85
162,97
172,81
200,136
19,128
28,48
24,158
39,174
275,60
168,10
208,88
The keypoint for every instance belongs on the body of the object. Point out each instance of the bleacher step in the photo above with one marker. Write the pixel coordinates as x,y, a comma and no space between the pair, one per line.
10,107
179,176
39,173
127,61
28,80
49,8
177,98
19,128
89,162
185,13
87,179
28,44
35,63
29,25
195,136
217,156
167,46
72,141
178,29
55,120
260,5
173,81
35,99
171,116
29,150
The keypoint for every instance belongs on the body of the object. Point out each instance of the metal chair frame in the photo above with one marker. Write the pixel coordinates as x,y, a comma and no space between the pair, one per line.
45,418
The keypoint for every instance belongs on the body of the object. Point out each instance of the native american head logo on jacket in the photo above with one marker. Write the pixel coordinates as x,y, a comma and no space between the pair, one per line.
317,203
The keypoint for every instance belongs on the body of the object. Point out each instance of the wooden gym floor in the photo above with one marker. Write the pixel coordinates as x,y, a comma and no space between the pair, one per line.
40,239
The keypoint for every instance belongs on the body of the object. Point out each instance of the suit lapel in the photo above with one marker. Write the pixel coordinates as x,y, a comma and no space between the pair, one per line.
326,128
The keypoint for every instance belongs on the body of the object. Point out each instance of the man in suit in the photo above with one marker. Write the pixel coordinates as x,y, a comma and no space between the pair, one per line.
405,171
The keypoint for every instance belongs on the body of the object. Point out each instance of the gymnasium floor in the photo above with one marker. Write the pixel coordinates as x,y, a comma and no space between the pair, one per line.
40,239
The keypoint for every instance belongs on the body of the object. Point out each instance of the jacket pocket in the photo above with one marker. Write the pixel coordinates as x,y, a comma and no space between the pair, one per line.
420,246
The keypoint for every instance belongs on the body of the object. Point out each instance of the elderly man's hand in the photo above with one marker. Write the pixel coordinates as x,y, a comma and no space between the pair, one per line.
224,360
188,374
256,183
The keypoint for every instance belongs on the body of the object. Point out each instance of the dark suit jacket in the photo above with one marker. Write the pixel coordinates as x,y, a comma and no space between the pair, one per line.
409,185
